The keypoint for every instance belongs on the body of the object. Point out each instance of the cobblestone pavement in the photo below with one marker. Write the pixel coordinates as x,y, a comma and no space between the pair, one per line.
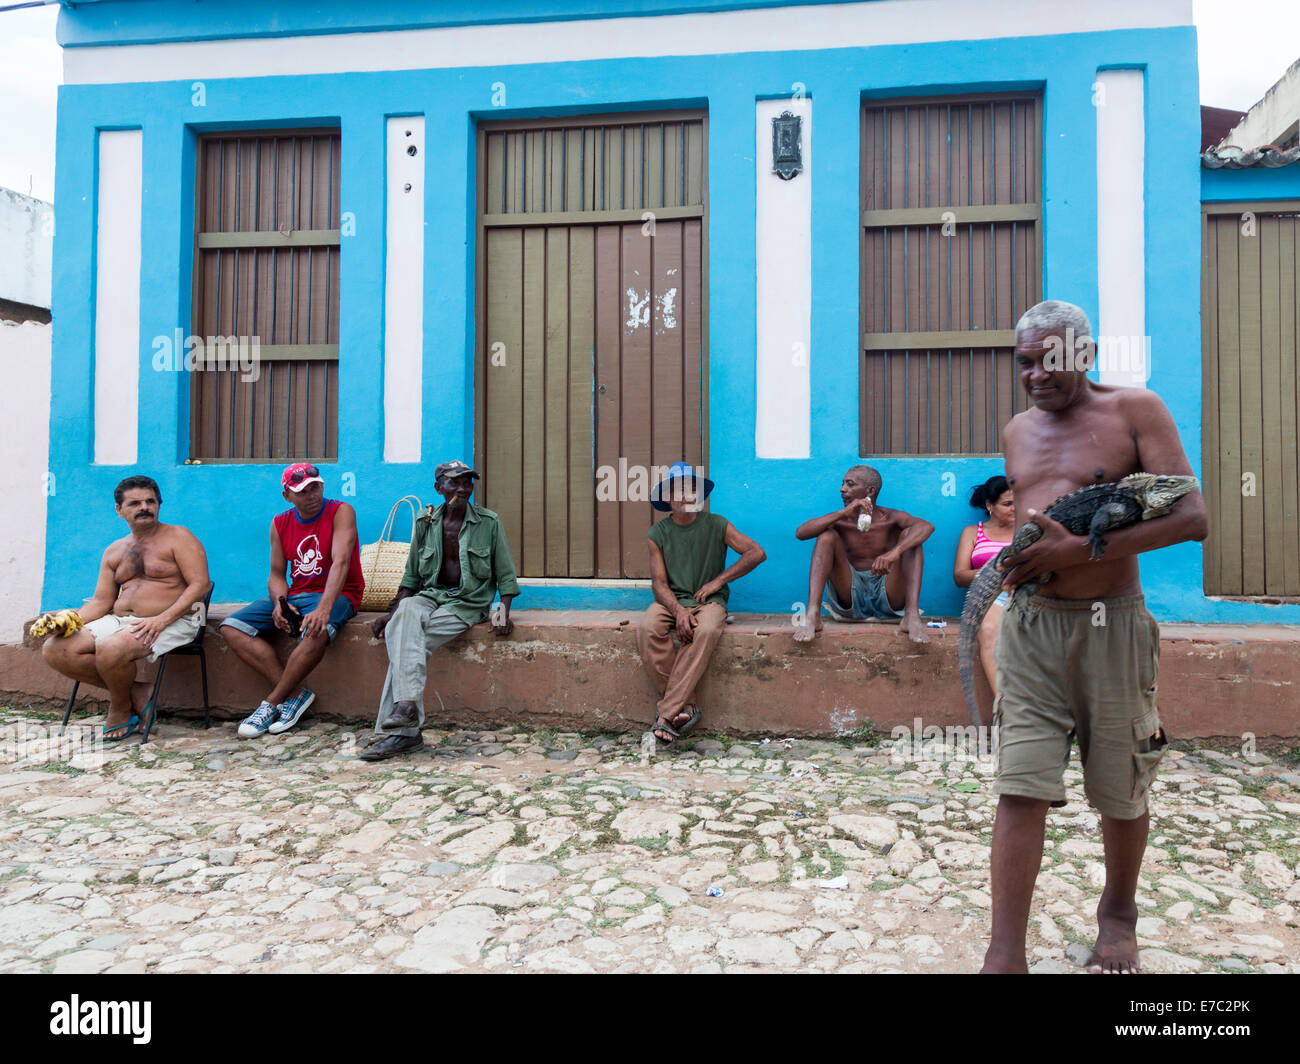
542,852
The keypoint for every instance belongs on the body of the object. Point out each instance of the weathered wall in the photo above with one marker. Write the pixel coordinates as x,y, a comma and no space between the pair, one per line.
26,244
24,459
1272,117
582,670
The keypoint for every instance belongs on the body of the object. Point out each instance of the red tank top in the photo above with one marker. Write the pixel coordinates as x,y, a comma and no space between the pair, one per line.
307,545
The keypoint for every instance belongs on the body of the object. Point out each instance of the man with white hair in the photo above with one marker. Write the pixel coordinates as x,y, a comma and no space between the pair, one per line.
1062,673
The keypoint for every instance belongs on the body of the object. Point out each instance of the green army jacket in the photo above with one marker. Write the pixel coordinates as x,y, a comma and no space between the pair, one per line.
485,563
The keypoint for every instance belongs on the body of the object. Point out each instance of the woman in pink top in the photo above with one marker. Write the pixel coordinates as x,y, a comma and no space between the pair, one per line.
979,545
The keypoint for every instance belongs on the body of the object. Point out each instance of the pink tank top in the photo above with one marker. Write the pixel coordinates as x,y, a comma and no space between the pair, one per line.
985,549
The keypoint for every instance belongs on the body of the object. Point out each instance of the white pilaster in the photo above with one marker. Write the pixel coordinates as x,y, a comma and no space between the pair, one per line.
404,290
1122,354
117,297
783,255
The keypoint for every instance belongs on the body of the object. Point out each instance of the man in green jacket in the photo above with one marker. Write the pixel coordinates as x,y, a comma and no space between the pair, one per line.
459,560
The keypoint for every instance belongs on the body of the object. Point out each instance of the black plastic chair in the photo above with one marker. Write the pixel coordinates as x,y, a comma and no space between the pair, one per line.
195,646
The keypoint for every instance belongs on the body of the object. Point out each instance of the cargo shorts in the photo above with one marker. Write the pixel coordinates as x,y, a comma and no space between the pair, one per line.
1085,668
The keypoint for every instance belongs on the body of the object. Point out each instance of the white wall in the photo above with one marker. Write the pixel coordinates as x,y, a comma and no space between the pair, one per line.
24,459
117,297
404,290
26,243
1270,119
783,291
703,33
1122,356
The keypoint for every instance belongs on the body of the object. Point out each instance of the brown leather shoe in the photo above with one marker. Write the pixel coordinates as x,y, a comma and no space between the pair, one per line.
404,715
391,746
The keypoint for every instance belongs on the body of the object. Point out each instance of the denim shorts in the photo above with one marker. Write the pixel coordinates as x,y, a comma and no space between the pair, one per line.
256,618
869,598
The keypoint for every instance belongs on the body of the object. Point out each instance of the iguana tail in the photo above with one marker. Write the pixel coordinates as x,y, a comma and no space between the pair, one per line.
983,590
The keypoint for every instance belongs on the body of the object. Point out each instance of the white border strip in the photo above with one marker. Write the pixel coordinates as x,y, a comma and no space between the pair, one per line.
783,290
779,29
117,297
404,290
1122,355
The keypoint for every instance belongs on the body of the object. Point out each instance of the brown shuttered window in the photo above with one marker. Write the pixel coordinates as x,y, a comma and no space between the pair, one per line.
951,239
266,297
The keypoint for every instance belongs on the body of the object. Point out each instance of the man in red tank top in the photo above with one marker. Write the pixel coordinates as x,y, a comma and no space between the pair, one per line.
316,541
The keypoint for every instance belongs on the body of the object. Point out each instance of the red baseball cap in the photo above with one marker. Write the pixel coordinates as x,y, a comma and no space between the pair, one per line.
299,475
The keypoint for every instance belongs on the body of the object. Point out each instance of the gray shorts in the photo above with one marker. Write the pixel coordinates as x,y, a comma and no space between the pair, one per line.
1086,670
869,598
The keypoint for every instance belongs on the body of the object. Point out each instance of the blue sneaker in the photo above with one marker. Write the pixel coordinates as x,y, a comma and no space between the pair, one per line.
291,711
257,722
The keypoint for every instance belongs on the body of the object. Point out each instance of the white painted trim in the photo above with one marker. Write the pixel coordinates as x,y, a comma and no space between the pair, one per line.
1122,355
876,22
783,290
404,290
117,296
25,481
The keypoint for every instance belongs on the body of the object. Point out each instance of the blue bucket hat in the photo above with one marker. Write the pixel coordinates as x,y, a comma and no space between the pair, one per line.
677,471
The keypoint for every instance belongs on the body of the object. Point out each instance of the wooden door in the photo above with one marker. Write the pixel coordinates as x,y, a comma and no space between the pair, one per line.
591,358
1251,398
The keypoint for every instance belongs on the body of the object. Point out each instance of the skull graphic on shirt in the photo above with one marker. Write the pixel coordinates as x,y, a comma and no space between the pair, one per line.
308,562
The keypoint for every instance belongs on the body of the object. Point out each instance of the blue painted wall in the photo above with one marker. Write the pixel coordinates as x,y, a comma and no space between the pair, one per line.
228,507
151,21
1257,183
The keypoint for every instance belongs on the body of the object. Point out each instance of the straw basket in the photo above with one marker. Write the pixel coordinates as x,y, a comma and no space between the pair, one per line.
384,561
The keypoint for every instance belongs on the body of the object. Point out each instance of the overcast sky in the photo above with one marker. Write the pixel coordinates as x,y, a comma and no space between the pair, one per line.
1245,46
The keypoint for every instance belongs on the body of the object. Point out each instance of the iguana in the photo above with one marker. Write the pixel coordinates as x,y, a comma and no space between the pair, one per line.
1090,511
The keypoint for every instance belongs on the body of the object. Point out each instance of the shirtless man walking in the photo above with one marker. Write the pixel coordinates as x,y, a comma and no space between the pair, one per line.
1061,670
874,572
148,601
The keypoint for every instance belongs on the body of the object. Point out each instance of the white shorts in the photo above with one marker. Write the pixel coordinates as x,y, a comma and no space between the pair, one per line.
177,634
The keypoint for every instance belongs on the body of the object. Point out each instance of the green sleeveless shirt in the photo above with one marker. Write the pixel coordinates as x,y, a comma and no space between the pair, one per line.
693,555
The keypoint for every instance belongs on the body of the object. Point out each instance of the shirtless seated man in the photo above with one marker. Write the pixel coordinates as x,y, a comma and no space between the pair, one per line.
1084,662
874,572
148,601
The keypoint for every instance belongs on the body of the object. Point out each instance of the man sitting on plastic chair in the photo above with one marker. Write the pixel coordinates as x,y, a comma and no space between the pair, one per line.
147,602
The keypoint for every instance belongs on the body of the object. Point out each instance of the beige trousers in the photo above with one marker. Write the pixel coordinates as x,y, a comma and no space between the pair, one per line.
676,671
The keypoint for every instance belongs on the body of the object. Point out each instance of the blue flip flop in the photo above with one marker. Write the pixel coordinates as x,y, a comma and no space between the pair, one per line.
130,726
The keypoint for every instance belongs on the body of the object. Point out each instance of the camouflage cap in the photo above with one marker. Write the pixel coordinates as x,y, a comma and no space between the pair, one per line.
453,469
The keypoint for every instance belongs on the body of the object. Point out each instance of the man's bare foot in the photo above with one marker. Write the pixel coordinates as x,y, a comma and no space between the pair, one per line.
1116,950
1000,962
806,632
914,627
140,698
679,718
117,719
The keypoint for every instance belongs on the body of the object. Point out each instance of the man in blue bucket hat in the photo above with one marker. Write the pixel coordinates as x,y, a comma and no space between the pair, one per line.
690,578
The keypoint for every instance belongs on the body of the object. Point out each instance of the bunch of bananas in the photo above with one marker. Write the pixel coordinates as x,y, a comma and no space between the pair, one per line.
64,622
